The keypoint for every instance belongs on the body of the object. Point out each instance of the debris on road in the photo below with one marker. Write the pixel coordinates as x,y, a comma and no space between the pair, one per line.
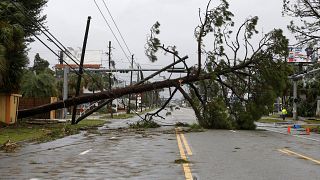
9,146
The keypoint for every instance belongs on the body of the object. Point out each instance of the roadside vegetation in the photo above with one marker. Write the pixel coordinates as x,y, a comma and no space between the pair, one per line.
312,121
144,124
43,133
270,120
119,116
123,115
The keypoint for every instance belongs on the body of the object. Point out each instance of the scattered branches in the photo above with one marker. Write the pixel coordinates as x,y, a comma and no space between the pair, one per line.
149,116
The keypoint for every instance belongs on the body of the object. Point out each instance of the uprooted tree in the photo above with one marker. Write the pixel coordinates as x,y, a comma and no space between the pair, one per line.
234,82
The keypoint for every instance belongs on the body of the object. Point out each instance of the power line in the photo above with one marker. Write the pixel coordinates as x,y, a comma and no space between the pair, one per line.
37,24
112,31
105,5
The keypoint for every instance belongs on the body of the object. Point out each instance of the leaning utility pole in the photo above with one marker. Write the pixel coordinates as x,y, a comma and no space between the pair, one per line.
110,77
81,69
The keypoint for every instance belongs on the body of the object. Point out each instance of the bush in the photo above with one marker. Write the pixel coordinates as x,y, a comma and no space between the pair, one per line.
215,116
245,121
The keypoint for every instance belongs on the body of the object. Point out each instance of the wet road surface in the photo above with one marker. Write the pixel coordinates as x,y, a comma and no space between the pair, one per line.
111,154
115,153
252,155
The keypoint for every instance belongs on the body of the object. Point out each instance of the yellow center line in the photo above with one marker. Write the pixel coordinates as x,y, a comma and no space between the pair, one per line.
287,151
186,145
186,168
182,154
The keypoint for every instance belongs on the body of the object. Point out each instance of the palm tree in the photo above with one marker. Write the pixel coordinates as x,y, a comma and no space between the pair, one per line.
38,85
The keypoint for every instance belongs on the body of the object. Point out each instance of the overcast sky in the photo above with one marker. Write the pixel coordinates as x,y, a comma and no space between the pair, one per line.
178,18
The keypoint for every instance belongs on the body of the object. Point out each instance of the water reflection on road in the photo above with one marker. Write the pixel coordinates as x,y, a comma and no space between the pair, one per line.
114,152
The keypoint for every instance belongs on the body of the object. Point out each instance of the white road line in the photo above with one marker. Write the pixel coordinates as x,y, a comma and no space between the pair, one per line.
85,152
312,139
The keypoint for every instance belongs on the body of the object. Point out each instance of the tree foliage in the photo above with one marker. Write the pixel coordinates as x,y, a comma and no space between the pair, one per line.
96,82
246,76
234,82
42,84
15,32
39,64
307,12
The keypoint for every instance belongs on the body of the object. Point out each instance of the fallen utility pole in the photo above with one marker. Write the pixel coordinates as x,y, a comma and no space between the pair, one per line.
116,93
105,102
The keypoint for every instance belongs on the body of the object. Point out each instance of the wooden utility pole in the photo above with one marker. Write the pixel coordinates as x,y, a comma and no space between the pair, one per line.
129,108
110,77
81,69
137,94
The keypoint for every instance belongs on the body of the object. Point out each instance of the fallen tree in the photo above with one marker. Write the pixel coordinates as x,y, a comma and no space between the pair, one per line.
237,83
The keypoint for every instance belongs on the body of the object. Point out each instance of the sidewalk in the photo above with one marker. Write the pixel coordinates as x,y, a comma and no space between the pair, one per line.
283,129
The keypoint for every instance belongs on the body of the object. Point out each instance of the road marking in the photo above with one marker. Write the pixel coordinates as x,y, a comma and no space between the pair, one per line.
284,152
233,131
85,152
186,145
186,168
287,151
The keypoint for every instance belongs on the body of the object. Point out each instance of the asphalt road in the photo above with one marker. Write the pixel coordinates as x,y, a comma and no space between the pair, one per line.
114,153
252,155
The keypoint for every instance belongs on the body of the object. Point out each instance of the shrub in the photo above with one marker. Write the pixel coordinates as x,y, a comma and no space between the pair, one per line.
215,116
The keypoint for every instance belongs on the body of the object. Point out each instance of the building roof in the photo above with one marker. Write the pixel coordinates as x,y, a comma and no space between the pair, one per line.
93,66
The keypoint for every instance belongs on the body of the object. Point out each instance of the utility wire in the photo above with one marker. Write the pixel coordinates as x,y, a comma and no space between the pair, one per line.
36,23
111,30
73,69
105,5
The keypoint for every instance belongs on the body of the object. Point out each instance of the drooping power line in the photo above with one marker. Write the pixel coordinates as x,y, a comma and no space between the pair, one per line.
45,31
106,21
105,5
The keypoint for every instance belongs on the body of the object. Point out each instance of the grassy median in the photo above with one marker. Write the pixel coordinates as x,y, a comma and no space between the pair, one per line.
43,133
